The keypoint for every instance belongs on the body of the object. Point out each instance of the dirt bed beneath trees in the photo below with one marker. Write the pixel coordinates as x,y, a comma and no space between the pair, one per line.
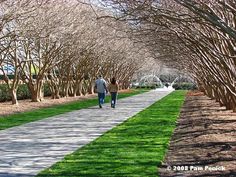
6,108
204,142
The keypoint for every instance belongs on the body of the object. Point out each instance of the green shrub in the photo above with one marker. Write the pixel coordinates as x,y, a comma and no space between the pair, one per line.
146,87
143,86
184,86
22,92
158,85
153,87
47,91
4,93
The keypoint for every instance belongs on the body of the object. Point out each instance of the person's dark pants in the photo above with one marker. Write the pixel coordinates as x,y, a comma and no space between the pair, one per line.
113,98
101,98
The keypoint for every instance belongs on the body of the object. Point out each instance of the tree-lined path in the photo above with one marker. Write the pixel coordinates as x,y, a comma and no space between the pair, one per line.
28,149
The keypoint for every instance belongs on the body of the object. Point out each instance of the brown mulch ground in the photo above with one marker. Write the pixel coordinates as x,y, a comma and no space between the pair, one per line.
204,142
6,108
195,93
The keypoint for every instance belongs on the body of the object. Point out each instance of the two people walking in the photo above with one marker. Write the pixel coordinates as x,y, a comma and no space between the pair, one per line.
102,90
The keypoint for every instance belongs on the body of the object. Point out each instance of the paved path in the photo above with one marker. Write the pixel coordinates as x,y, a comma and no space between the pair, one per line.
28,149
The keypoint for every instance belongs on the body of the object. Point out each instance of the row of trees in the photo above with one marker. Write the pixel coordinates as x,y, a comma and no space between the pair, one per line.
195,36
63,44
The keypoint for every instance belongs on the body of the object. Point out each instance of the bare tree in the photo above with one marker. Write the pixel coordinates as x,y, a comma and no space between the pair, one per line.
196,36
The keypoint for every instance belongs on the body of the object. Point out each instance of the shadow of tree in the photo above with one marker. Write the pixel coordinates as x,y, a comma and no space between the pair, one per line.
205,136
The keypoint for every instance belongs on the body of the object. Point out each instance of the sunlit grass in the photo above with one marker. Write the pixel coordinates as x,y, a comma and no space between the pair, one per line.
135,148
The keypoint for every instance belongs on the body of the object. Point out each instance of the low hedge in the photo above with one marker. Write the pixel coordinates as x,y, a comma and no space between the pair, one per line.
47,91
146,87
22,92
4,93
184,86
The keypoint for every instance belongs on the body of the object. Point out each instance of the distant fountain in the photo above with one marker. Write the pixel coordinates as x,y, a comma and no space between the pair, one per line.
168,86
150,80
172,83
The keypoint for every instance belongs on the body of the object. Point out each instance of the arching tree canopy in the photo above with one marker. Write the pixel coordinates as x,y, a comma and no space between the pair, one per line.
61,43
196,36
66,43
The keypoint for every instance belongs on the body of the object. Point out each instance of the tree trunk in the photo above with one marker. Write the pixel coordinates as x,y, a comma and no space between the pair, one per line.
52,92
34,90
67,89
41,92
78,90
14,96
84,90
234,104
91,88
234,107
57,94
34,96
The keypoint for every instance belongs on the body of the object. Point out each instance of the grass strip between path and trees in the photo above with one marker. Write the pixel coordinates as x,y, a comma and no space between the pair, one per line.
39,114
133,148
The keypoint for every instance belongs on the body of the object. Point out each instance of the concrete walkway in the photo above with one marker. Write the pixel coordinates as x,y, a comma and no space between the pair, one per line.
26,150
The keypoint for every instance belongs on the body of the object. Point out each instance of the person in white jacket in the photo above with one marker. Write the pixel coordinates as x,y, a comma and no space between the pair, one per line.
100,86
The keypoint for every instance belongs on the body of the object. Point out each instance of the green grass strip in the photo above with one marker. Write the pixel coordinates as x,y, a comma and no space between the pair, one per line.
132,149
39,114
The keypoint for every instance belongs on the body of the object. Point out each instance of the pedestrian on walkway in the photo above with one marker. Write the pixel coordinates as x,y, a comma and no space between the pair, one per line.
113,88
101,88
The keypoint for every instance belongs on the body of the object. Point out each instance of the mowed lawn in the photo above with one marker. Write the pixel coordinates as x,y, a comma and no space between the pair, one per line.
135,148
31,116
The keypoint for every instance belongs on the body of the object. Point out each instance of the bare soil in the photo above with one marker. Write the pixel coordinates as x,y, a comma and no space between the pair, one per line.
6,108
204,142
